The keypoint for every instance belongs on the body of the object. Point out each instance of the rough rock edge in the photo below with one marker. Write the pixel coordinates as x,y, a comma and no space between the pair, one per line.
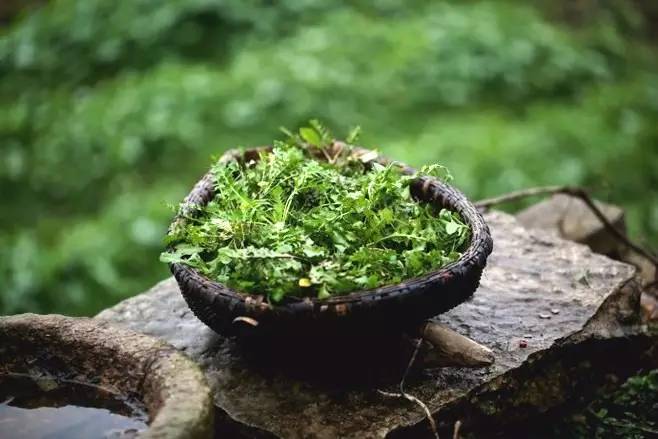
614,341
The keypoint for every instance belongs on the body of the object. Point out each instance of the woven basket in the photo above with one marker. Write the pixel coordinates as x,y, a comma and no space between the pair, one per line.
385,309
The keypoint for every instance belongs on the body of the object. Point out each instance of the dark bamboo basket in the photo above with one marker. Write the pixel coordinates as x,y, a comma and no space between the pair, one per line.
391,308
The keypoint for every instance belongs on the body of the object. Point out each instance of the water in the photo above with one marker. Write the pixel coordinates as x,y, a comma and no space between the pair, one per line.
46,408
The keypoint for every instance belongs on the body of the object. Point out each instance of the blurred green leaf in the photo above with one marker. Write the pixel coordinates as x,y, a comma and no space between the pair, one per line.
310,136
110,111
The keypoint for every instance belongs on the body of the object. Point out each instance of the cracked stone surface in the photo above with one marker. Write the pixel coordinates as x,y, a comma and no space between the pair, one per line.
544,304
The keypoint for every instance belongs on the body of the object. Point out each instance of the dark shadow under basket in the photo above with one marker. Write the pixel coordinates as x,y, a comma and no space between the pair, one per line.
390,308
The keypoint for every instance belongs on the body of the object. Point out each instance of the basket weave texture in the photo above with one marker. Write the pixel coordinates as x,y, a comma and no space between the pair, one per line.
387,308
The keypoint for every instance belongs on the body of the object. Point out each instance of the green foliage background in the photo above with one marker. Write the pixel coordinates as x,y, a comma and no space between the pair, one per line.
110,110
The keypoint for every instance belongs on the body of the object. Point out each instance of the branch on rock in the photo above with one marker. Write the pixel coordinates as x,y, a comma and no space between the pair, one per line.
412,398
451,349
447,349
574,192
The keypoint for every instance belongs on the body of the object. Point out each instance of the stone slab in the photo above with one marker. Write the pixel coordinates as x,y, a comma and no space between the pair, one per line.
538,293
572,219
64,349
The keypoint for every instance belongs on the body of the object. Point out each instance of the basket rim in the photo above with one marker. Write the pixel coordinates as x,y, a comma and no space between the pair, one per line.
472,255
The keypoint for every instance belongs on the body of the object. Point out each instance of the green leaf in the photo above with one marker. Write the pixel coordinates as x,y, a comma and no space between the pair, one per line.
323,293
310,136
452,227
354,134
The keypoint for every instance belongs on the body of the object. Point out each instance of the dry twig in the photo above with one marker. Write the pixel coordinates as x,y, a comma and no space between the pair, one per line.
456,428
405,395
452,349
574,192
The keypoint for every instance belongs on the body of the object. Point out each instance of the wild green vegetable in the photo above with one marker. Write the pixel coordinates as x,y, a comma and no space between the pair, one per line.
290,224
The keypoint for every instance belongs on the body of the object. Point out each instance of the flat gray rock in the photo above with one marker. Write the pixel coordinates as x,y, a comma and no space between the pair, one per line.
543,305
572,219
